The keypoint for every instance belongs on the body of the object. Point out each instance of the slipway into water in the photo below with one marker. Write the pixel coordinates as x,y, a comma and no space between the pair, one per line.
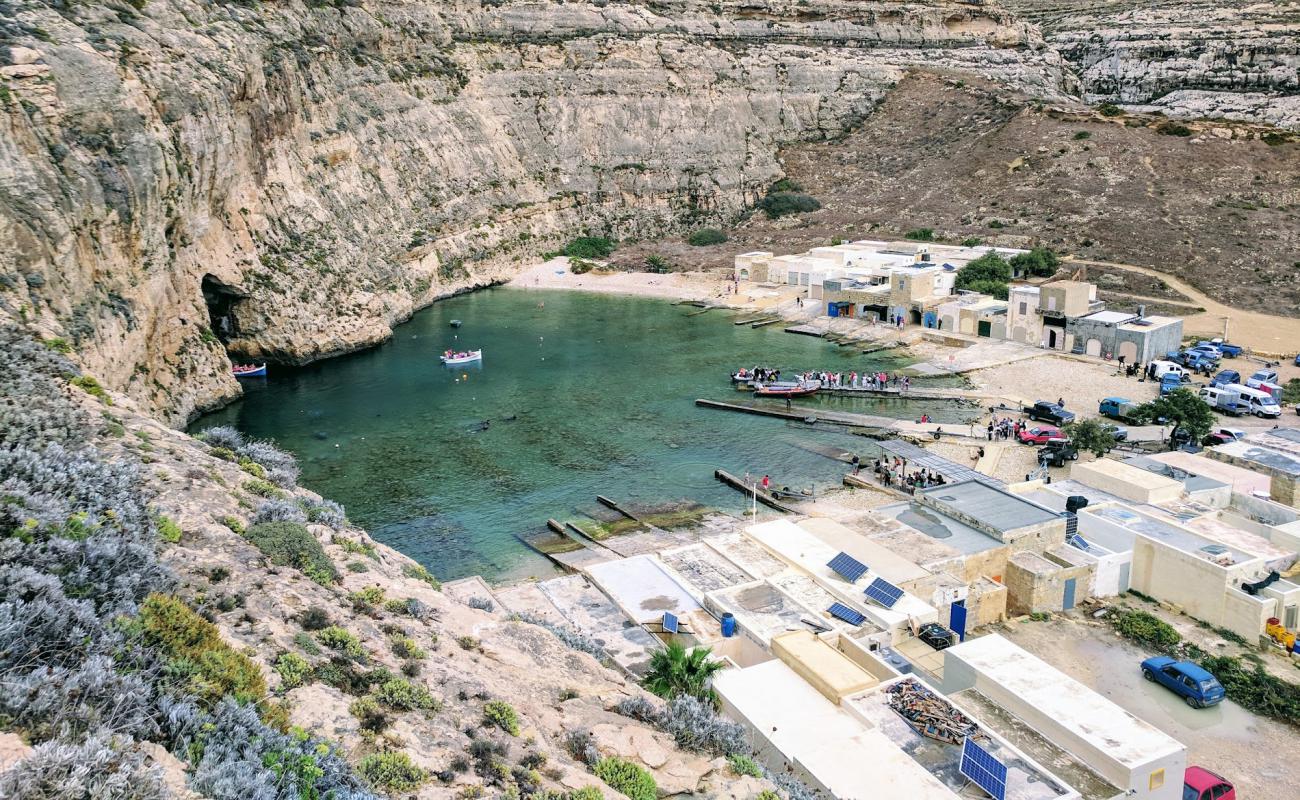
581,395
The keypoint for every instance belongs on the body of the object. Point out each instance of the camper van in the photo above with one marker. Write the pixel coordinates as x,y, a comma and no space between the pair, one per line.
1225,399
1261,403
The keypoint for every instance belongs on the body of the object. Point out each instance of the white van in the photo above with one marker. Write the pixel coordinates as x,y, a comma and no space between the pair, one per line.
1225,399
1158,369
1261,403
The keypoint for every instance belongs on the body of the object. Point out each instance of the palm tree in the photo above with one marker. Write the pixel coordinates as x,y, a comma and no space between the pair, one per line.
674,671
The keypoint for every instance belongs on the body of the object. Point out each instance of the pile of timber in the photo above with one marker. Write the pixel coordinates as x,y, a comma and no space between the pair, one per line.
930,714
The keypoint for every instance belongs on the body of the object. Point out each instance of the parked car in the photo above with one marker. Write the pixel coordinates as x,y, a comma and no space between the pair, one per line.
1228,350
1045,411
936,635
1118,431
1262,376
1198,688
1038,435
1297,360
1172,381
1226,378
1223,436
1201,784
1058,451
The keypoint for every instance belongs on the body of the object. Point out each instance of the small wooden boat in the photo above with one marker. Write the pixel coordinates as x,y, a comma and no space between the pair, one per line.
452,359
455,323
248,370
786,389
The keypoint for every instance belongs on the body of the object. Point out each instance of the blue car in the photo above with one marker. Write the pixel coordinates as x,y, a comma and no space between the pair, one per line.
1198,688
1226,378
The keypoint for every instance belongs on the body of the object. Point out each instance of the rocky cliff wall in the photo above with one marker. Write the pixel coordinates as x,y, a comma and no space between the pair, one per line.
320,171
1238,59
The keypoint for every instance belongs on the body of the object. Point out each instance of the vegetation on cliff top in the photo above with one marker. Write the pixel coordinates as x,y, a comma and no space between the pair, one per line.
100,655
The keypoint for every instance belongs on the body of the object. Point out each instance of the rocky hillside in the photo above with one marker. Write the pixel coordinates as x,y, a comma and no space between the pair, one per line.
290,179
180,619
1215,203
1238,59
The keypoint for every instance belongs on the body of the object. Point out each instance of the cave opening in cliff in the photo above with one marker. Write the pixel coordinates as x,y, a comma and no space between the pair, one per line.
222,300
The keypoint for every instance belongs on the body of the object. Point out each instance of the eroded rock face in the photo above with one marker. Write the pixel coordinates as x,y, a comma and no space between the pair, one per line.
334,168
1197,58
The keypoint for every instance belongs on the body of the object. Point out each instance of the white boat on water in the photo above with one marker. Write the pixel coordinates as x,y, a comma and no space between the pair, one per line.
452,359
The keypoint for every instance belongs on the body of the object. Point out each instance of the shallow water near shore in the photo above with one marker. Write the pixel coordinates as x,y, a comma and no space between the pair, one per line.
584,395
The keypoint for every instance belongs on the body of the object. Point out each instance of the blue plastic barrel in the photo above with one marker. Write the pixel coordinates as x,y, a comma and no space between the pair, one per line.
728,624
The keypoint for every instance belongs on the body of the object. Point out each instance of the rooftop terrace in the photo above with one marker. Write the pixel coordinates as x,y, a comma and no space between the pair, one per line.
992,507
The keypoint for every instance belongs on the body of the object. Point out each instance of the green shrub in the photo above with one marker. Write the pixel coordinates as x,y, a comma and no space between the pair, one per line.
356,548
1254,689
780,204
972,242
197,657
168,530
1110,110
370,714
418,572
290,544
988,274
261,488
784,185
626,777
657,263
1173,129
401,694
342,640
293,669
1041,262
1148,629
589,247
920,235
581,266
1079,136
767,794
392,772
996,224
315,618
585,793
705,237
744,765
406,647
233,523
396,606
91,387
1291,391
306,643
223,453
502,715
365,600
252,467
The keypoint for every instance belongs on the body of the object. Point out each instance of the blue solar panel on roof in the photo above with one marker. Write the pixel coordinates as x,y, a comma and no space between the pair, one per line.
984,770
841,611
670,623
884,592
1078,541
848,567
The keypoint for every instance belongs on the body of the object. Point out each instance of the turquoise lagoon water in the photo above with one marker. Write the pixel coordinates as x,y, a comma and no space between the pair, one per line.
586,395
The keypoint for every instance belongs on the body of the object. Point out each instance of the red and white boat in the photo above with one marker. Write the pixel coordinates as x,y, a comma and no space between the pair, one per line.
451,358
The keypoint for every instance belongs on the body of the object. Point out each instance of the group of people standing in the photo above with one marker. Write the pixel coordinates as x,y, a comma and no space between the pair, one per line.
760,374
896,474
855,380
1003,428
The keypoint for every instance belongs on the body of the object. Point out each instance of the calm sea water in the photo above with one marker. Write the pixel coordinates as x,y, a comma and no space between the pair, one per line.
585,394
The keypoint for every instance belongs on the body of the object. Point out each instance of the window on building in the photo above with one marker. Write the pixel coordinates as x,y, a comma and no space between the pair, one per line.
1156,780
1024,307
1051,303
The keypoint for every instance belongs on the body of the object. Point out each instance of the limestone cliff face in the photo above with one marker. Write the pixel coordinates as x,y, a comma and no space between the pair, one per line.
319,171
1238,59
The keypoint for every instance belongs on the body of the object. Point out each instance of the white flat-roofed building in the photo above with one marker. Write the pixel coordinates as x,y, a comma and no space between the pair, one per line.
1126,751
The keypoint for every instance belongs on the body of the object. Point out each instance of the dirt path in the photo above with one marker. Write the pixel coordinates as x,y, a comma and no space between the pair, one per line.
1265,333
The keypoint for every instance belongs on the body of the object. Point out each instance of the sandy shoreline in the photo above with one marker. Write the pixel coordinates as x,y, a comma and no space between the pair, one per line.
555,274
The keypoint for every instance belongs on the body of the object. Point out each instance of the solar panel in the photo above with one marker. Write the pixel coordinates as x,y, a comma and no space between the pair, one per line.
884,592
983,769
847,566
841,611
1078,541
670,623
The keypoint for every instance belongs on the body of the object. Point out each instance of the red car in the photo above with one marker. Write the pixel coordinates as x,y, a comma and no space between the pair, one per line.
1201,784
1038,435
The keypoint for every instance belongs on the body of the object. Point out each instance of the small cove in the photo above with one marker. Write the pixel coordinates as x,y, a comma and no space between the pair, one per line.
585,394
